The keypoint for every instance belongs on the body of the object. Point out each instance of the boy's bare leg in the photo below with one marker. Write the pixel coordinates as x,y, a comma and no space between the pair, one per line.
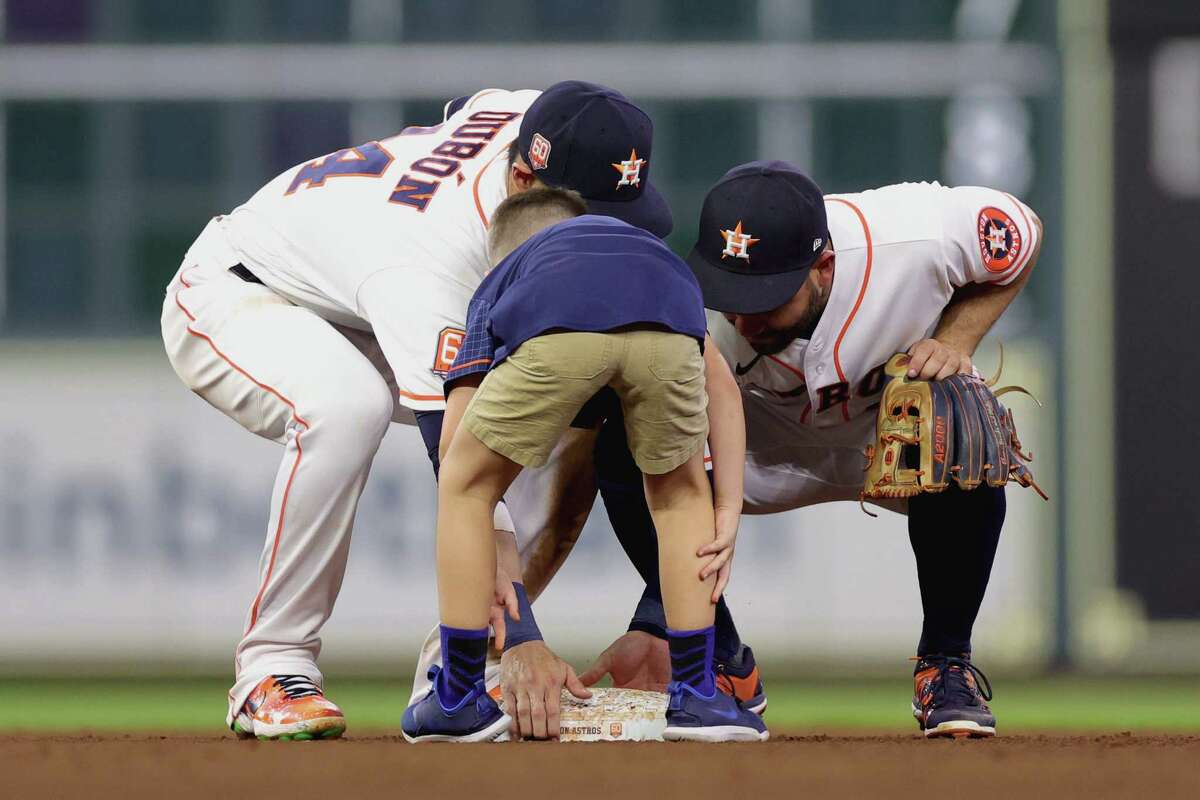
681,504
682,508
472,481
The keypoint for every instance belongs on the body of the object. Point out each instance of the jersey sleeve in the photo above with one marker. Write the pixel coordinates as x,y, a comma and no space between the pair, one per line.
989,236
478,349
498,100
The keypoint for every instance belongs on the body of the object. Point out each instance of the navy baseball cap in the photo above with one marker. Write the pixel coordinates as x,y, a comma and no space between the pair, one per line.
762,228
592,139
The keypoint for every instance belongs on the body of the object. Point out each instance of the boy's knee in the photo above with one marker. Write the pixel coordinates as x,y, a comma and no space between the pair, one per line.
685,484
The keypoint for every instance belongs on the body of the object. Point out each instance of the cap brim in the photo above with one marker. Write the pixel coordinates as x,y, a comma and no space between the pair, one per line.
743,292
649,212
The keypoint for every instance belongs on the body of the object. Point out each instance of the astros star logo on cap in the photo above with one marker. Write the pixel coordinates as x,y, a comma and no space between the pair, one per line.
630,169
737,242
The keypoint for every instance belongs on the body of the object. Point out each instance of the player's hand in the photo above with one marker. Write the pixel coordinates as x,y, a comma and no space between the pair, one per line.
721,549
505,600
531,681
930,359
637,660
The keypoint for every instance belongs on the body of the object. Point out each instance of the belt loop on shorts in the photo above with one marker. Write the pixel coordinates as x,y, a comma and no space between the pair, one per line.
244,274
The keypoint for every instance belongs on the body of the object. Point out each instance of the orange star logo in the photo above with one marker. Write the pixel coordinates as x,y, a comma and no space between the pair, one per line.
630,169
737,242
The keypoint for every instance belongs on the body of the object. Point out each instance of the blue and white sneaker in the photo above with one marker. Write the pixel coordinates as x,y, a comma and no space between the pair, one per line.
692,717
476,718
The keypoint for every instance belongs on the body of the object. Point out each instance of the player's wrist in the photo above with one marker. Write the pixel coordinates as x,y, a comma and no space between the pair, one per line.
649,616
963,345
524,630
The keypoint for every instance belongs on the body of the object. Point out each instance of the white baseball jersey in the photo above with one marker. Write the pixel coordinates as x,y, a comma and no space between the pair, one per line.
368,258
389,236
901,251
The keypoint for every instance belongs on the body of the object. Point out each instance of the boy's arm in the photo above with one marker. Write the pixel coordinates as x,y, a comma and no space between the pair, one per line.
727,444
458,397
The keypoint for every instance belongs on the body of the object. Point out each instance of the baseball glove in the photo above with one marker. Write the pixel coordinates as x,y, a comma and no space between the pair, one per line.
929,433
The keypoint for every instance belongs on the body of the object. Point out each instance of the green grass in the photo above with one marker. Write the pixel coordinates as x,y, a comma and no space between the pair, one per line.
1068,704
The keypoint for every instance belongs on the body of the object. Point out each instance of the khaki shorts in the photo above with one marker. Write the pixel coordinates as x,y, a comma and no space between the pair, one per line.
526,403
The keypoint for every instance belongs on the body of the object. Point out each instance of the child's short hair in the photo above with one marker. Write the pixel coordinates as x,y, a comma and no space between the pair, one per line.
522,215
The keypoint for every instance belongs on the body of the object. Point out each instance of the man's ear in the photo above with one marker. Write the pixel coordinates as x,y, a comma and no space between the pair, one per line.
520,176
824,268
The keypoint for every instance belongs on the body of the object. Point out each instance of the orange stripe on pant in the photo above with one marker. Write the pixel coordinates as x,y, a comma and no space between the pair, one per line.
254,609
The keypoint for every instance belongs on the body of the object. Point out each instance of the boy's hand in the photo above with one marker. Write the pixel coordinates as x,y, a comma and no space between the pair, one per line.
721,549
531,680
505,600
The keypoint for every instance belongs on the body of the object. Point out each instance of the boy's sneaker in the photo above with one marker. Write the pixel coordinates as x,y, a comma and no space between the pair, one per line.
739,678
948,700
692,717
476,718
288,707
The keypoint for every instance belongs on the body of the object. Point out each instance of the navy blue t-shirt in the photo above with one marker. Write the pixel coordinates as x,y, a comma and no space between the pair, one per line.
588,273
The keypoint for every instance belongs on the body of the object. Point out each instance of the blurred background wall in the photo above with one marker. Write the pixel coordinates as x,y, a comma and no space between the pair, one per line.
131,514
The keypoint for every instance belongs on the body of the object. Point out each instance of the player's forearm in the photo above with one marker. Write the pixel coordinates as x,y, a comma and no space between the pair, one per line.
726,431
974,308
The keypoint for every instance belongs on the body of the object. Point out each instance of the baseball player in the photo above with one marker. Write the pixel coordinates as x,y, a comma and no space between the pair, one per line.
815,294
333,302
578,302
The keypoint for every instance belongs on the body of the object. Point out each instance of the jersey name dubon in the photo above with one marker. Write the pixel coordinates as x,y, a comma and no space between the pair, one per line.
372,160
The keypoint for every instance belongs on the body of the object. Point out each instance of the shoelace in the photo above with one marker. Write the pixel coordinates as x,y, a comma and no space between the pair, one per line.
675,695
948,666
297,686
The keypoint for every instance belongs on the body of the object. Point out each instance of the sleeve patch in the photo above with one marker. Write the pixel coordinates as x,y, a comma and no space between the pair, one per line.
448,344
1000,242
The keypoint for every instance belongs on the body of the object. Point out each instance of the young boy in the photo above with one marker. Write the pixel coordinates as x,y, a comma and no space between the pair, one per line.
576,303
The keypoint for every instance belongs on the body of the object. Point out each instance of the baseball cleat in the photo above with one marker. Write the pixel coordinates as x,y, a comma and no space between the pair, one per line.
948,699
739,678
692,717
289,707
476,718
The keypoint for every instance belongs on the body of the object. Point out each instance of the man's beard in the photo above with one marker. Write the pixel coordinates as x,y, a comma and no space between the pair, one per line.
803,329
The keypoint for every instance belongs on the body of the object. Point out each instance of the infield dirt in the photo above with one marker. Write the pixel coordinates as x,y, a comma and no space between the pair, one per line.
181,767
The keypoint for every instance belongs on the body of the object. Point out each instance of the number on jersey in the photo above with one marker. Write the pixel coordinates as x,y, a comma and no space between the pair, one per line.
369,160
372,159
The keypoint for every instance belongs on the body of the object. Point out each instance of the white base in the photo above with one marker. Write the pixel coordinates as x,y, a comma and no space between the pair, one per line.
613,715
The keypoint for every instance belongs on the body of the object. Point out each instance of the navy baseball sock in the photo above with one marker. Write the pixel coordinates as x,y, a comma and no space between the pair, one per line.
954,536
464,658
692,657
525,629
